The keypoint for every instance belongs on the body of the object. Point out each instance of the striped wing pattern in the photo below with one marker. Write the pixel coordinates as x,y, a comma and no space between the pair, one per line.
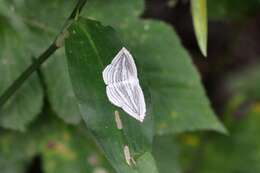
123,88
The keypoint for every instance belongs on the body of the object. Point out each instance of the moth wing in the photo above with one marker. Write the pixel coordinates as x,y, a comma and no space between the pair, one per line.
113,96
124,61
140,101
107,74
129,96
122,68
129,63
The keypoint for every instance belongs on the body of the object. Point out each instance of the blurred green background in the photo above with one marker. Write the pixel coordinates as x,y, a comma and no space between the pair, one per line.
34,140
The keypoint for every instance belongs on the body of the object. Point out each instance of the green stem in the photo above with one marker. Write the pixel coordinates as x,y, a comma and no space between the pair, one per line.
42,58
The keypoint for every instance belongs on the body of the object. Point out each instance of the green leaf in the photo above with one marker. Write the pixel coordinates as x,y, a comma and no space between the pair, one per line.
126,11
89,48
178,98
27,102
146,163
166,154
62,148
199,16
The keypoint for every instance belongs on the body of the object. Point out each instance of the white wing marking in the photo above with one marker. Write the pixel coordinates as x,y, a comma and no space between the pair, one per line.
123,88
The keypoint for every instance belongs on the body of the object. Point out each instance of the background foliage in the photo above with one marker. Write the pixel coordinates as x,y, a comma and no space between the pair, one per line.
59,121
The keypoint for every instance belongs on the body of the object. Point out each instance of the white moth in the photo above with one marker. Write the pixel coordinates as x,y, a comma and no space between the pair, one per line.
123,88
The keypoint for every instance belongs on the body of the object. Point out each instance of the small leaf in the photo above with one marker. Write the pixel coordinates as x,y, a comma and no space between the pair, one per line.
199,16
89,48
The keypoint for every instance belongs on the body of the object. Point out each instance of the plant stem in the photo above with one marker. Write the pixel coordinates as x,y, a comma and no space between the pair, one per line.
42,58
22,78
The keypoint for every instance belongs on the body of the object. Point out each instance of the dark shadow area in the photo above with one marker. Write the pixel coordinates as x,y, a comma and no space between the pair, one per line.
36,165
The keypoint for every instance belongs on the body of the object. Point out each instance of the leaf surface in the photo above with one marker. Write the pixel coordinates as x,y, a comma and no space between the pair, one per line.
179,102
89,48
166,154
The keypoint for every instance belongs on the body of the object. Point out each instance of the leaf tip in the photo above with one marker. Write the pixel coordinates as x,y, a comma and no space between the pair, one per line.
203,49
222,129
